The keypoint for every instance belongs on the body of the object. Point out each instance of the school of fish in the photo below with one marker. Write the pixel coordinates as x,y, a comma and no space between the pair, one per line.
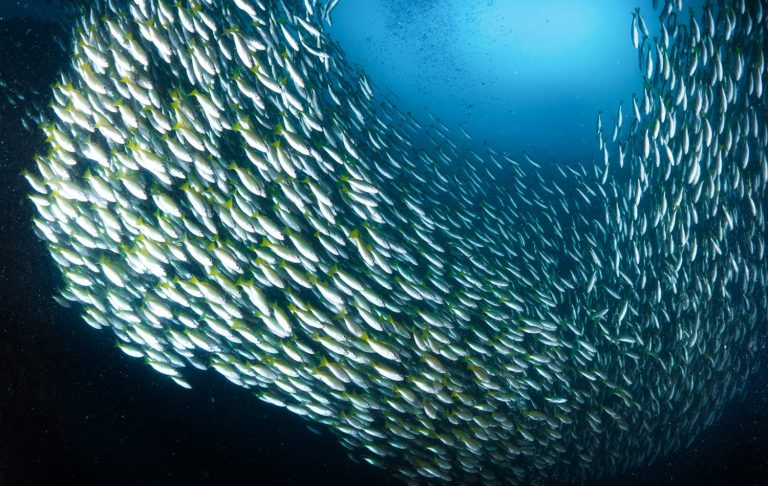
223,190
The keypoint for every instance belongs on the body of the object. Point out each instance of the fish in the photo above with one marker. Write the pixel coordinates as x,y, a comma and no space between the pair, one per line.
222,190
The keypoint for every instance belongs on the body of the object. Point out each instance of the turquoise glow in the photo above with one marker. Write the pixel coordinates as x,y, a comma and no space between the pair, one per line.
521,75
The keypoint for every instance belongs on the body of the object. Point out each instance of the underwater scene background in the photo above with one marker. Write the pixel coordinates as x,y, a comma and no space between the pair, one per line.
524,80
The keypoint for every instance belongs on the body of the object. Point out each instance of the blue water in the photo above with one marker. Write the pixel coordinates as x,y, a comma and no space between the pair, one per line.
522,75
519,75
32,9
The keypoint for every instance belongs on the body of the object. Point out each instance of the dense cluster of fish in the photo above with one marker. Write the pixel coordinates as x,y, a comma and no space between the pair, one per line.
223,191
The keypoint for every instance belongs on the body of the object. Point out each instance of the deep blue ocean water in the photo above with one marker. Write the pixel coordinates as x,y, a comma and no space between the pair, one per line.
522,78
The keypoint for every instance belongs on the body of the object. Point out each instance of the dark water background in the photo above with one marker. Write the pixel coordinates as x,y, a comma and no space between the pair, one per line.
73,407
